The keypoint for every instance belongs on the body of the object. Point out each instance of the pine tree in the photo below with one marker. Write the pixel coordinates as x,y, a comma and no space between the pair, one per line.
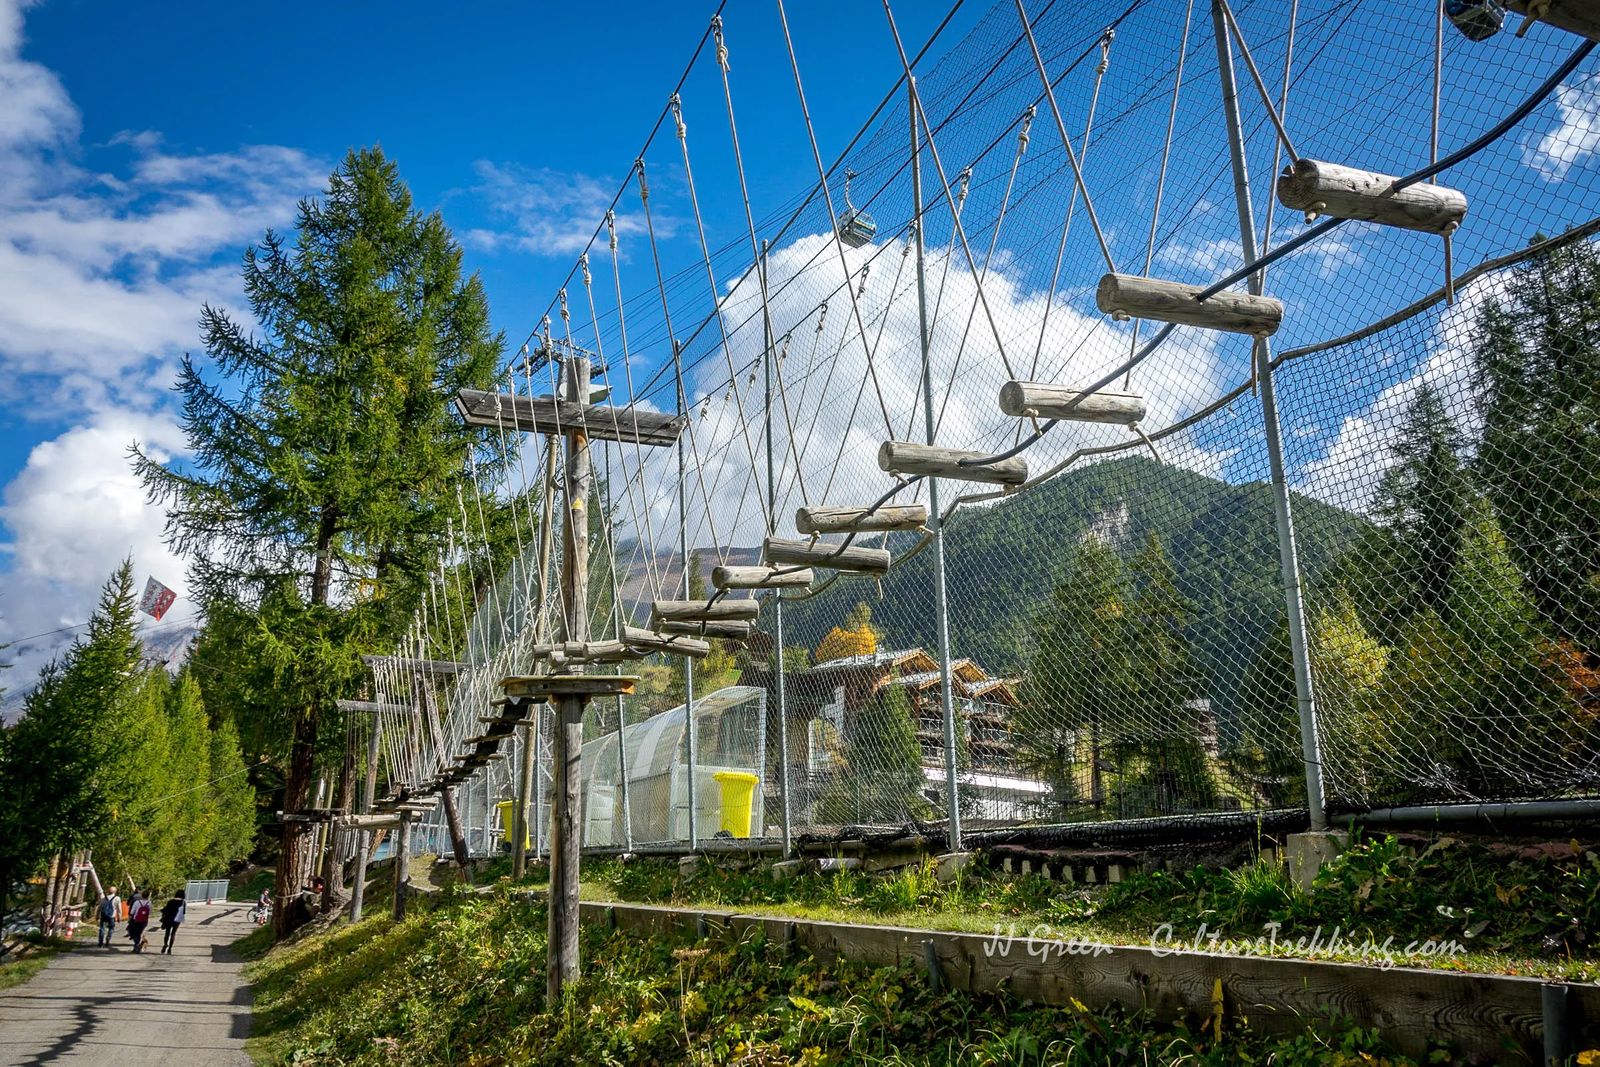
1538,377
1078,675
326,462
230,798
189,746
1420,502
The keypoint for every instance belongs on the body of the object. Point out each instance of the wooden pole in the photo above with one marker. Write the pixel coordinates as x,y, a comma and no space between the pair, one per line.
458,840
567,738
369,792
529,773
402,865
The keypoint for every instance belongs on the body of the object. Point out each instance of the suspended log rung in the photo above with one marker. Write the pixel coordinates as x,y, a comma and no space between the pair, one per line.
1042,400
853,559
735,630
1126,296
825,518
638,638
744,610
1319,188
906,457
760,577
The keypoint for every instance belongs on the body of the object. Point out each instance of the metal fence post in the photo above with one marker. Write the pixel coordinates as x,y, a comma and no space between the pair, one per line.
935,521
1288,556
777,594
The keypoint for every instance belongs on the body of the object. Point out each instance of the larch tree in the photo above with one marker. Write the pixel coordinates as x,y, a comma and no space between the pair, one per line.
325,463
1538,378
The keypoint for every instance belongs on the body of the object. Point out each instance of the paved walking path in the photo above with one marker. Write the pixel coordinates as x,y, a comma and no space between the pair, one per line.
111,1006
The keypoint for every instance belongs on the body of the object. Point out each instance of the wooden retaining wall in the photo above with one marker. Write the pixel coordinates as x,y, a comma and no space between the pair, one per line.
1494,1018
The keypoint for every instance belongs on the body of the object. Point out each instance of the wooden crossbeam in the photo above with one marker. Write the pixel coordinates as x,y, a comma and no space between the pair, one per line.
373,705
421,666
546,414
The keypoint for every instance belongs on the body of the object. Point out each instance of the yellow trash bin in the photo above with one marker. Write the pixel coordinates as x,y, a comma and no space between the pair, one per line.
738,795
507,810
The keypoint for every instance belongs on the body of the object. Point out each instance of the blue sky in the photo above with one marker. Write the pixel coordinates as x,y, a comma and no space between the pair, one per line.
148,144
141,149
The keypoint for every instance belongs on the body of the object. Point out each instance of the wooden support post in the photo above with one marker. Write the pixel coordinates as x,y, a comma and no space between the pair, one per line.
852,558
1047,401
458,840
528,773
1575,16
760,577
824,519
369,789
402,865
566,751
1127,296
1346,193
935,461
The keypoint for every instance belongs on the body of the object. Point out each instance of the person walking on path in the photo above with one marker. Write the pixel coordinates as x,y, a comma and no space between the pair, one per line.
172,913
110,911
138,919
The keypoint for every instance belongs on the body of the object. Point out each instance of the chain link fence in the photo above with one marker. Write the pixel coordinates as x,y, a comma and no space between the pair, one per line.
1118,637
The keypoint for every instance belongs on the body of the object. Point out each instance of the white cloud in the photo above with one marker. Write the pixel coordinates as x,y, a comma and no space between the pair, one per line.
75,511
102,275
1361,450
1575,138
833,403
551,212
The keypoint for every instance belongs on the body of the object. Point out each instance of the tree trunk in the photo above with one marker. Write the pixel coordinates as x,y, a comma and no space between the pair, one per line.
295,846
333,859
293,854
47,902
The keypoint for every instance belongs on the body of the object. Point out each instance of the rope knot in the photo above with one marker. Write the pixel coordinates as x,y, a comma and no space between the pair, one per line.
676,104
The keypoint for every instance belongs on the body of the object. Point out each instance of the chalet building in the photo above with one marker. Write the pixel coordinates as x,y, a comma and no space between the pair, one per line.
823,701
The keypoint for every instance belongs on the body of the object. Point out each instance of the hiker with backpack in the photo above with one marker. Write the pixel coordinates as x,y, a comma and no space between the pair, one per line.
172,913
138,918
110,911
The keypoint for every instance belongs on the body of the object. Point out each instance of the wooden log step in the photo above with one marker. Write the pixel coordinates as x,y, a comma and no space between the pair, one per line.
639,638
906,457
732,629
831,519
760,577
1064,402
851,558
1126,296
1319,188
743,610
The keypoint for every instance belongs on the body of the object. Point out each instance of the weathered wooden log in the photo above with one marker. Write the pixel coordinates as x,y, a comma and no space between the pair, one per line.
1126,296
760,577
1581,17
1331,189
826,518
782,552
547,414
708,629
638,638
742,610
1064,402
906,457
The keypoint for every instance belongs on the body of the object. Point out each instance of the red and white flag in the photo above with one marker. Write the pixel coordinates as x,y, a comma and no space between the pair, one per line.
156,600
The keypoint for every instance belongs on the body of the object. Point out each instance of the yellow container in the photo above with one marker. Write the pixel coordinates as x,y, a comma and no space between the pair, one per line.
738,796
507,814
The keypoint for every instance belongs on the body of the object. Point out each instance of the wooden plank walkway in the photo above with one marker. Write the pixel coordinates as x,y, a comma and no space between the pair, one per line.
114,1007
